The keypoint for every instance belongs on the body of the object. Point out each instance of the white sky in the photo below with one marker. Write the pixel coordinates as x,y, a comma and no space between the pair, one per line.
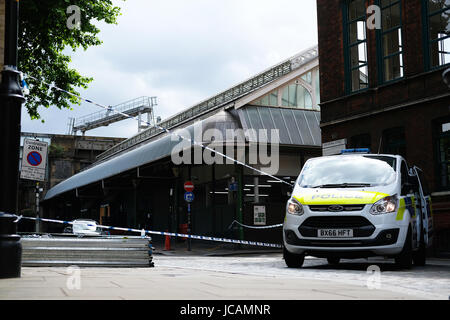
182,52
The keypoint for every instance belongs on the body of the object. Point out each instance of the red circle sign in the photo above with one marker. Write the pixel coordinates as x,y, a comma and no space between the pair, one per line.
34,158
188,186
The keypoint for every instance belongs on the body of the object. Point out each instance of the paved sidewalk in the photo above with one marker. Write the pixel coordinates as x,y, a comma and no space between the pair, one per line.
216,272
165,283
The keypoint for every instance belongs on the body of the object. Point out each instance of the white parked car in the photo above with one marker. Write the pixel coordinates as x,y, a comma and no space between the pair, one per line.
84,227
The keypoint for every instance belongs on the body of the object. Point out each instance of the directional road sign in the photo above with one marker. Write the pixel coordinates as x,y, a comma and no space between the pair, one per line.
189,196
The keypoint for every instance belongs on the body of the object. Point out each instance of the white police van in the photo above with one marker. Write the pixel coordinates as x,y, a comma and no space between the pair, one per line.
358,205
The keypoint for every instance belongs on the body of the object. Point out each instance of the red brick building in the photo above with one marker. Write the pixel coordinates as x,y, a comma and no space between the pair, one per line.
381,65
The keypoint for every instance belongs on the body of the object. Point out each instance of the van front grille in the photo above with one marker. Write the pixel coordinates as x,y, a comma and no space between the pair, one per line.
332,208
361,226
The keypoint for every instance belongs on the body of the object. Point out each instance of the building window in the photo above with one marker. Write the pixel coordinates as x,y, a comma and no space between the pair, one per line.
356,45
443,146
270,100
394,141
360,141
296,95
390,40
317,86
307,77
438,32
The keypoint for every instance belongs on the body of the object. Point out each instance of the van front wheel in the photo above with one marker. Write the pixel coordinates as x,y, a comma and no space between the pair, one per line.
404,259
293,260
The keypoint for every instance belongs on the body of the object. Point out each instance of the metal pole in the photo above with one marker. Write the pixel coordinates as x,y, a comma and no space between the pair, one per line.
189,204
139,121
240,202
11,99
213,166
189,226
37,207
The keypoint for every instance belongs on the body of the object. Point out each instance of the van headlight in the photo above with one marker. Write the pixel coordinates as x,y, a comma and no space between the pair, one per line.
294,207
385,205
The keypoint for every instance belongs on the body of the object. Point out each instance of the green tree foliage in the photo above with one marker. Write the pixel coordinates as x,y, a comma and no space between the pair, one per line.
44,35
56,151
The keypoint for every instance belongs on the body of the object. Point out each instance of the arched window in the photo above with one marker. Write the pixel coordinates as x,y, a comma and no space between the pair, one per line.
270,99
295,95
307,77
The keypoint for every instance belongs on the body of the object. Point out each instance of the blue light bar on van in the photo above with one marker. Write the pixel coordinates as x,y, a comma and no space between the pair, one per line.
360,150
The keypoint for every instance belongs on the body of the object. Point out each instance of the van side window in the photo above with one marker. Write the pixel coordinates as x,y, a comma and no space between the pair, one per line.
404,176
414,183
423,181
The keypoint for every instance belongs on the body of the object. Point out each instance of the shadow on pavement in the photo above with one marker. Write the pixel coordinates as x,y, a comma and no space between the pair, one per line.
383,265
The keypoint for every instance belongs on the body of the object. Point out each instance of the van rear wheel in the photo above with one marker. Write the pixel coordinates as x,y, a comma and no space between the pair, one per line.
420,256
293,260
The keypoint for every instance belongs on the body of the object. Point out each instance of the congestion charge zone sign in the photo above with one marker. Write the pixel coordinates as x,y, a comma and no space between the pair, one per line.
34,160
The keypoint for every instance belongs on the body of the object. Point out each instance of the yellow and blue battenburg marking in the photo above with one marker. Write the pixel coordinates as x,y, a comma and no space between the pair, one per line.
406,203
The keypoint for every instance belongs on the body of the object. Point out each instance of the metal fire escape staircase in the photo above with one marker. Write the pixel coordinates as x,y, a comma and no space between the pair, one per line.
136,107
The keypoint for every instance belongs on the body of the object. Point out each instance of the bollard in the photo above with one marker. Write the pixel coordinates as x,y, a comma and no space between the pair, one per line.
10,247
167,243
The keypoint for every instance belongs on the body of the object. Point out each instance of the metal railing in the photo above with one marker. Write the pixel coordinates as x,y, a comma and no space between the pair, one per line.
218,100
131,107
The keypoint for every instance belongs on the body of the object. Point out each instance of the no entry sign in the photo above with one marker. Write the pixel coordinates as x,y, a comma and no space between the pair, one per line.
188,186
34,160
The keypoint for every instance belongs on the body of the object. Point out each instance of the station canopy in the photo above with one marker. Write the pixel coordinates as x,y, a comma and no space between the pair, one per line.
240,107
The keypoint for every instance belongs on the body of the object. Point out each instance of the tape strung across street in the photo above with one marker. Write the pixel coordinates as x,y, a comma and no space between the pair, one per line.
254,243
162,233
255,227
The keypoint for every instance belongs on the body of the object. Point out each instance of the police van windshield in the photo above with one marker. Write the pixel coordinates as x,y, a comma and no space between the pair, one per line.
348,172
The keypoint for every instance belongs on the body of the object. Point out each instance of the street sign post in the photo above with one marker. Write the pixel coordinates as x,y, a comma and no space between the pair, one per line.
34,160
189,197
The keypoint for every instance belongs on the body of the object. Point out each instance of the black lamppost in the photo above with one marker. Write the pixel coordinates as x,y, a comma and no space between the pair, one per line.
11,99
